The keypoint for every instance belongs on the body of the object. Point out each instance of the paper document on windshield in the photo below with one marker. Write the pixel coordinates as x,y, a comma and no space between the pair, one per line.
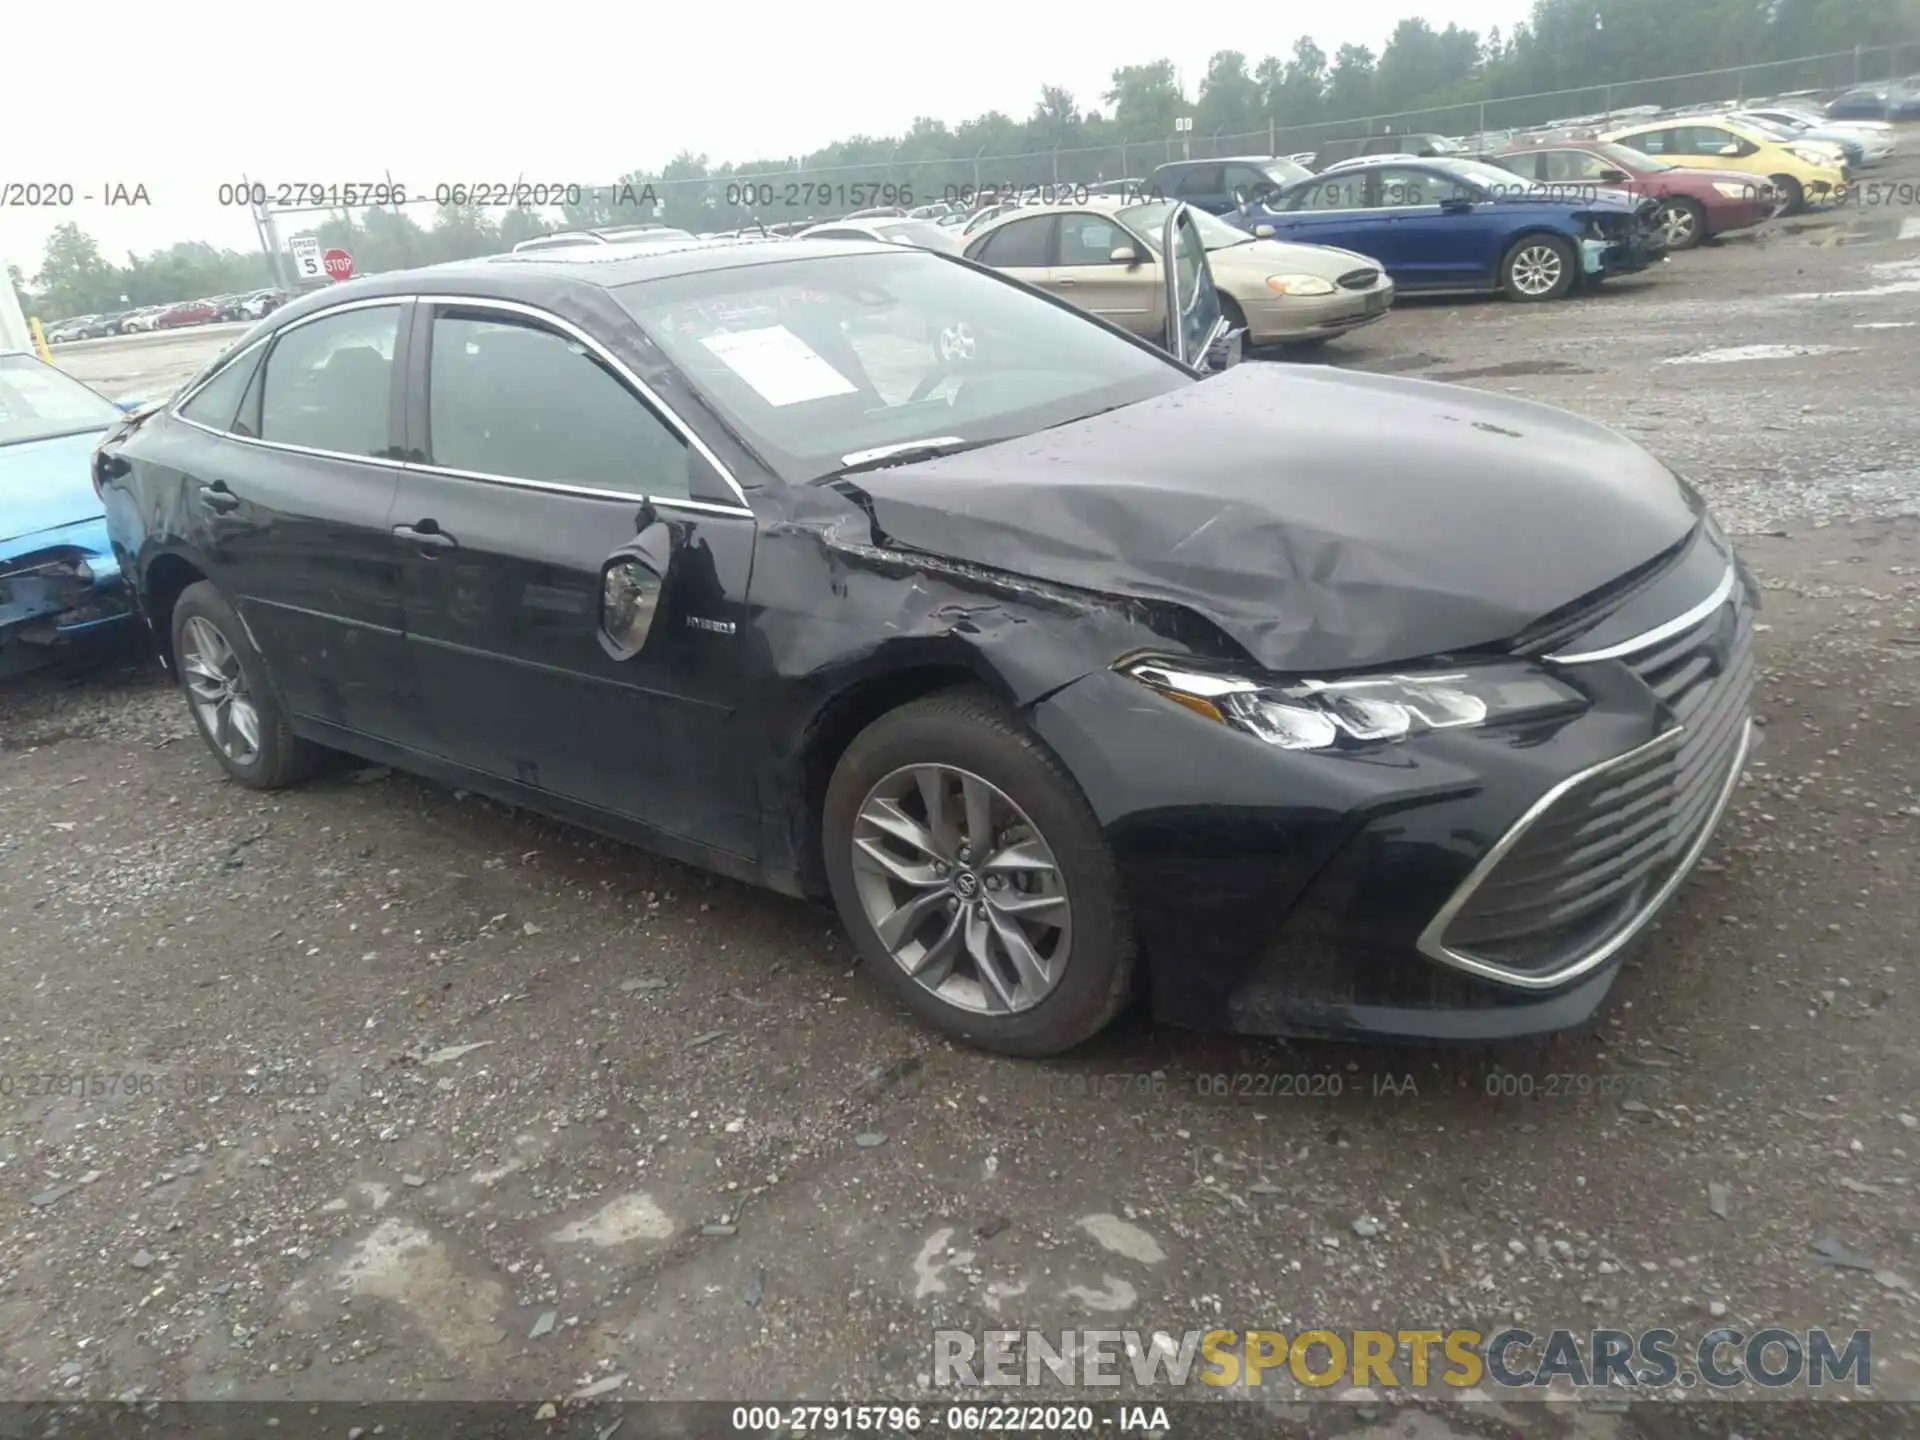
777,363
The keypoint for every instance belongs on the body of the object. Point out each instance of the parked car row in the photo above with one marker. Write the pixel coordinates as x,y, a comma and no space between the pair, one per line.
913,576
251,305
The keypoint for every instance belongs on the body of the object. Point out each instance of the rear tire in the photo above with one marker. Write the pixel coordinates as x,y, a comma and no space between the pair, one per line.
1045,878
230,697
1538,267
1684,222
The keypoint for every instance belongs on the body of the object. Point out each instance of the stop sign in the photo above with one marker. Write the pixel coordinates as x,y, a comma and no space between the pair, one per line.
339,264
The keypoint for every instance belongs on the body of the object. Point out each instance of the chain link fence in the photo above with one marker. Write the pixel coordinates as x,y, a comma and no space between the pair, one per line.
728,202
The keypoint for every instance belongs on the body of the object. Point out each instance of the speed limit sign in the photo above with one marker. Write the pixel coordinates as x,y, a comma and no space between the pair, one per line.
307,263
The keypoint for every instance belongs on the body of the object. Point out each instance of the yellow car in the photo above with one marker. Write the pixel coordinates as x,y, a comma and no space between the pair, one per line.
1803,172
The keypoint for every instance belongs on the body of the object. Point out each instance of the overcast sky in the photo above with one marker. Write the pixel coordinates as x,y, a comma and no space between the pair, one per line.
180,98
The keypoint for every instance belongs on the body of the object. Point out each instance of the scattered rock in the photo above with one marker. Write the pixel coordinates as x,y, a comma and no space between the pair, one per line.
49,1197
72,1370
869,1139
632,985
546,1411
755,1289
413,1181
1717,1309
1719,1198
720,1228
707,1039
1892,1280
544,1325
142,1259
454,1052
602,1387
1833,1252
991,1227
1365,1229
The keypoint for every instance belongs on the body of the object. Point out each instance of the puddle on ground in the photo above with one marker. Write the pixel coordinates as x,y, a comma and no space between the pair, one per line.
1873,231
1514,368
1734,354
1400,364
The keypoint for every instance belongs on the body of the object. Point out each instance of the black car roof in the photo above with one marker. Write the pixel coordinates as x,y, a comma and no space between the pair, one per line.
544,276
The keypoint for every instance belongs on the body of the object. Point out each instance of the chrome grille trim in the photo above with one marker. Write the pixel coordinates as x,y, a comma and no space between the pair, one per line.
1646,640
1637,822
1358,279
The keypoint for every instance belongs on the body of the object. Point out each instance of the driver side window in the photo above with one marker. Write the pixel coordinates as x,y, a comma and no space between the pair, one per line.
328,384
1566,165
1339,192
1090,240
1404,188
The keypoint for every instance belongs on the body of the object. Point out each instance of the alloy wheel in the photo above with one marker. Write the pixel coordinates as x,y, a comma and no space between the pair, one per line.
1677,221
962,889
217,689
1536,270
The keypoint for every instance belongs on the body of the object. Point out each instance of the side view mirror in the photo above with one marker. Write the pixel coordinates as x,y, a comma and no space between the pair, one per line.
1264,232
631,582
1615,177
132,407
1456,204
1124,255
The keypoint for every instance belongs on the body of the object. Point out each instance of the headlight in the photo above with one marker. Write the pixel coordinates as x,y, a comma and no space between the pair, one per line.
1814,157
1733,190
1299,285
1369,710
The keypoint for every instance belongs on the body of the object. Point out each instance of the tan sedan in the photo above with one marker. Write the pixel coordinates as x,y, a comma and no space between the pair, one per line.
1103,256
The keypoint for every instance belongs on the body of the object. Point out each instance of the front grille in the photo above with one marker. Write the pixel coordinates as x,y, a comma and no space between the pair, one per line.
1579,877
1359,279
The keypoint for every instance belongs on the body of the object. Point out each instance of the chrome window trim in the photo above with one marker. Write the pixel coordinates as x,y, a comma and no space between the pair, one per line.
613,362
1432,945
511,307
186,397
1647,639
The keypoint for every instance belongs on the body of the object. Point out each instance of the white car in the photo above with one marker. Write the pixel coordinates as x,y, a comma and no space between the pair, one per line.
926,234
1874,137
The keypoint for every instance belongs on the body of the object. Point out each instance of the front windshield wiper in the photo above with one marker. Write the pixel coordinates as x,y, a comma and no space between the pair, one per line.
907,452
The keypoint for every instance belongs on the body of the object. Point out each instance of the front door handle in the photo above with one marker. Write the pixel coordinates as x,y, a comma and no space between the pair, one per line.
427,534
1065,284
217,497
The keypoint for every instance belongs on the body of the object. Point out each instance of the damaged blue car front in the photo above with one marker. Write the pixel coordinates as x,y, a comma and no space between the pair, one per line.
60,584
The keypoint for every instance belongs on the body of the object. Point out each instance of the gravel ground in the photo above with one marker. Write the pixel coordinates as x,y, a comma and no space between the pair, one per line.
403,1094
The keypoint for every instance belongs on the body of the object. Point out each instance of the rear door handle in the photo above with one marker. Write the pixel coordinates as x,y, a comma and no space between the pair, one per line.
427,534
1065,284
217,497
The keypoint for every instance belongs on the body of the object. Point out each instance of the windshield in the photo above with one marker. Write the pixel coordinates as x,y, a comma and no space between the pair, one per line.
1492,176
38,402
1285,172
814,359
1628,158
1768,128
1148,220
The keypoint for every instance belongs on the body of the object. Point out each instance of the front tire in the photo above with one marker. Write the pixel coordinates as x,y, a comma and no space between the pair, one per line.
1538,267
975,879
1684,222
229,695
1792,196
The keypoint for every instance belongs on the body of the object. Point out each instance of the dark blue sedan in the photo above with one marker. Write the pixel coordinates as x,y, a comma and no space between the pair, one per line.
1452,225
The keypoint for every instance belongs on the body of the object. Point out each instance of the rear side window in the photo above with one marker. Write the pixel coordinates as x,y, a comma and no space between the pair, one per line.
1019,245
218,401
1337,192
1653,142
1203,180
328,384
512,399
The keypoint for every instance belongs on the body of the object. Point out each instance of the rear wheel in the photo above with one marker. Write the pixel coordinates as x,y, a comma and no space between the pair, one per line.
225,682
1684,222
975,879
1790,198
1538,267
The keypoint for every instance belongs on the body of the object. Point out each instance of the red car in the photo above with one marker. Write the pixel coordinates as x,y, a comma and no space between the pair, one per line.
187,312
1700,204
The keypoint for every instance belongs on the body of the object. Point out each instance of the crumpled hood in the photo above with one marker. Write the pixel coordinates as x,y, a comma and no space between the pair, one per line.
1323,519
45,484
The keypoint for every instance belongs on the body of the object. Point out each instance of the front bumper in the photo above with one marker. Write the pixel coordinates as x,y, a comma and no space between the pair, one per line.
49,602
1474,884
1290,319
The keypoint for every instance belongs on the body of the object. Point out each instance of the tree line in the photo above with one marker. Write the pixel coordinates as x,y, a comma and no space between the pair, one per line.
1449,79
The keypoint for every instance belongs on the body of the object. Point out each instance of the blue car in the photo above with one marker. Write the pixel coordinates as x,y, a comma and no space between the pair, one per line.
1447,225
59,582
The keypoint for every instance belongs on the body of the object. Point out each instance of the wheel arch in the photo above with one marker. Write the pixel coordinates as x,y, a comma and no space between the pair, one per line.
846,710
163,580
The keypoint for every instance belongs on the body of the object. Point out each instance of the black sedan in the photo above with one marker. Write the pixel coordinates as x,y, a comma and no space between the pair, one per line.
1304,701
